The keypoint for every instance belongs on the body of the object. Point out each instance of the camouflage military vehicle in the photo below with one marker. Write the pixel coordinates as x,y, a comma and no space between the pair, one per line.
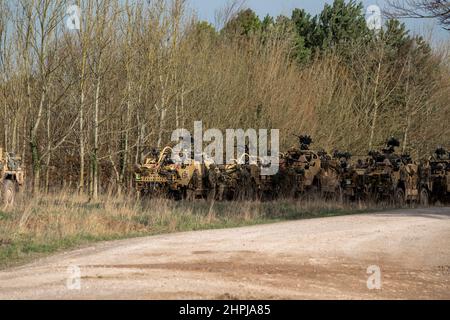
160,176
240,180
12,178
352,177
230,182
331,170
386,176
435,177
331,177
300,171
304,172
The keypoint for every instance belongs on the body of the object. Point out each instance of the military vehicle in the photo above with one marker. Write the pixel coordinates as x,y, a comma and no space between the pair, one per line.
304,172
435,177
352,177
241,179
231,181
334,175
299,170
160,176
331,170
384,176
12,178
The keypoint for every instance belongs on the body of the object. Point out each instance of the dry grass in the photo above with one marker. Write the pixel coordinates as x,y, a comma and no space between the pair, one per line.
49,223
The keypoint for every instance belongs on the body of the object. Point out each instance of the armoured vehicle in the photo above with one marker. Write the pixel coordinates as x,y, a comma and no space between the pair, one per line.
307,172
12,178
240,180
435,177
231,181
331,170
299,167
352,178
386,176
382,176
161,176
346,176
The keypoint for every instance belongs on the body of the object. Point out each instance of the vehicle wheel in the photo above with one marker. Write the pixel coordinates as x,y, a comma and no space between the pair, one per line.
424,198
311,194
400,197
8,194
190,195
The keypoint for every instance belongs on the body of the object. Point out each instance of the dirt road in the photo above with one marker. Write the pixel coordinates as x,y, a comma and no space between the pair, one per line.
317,259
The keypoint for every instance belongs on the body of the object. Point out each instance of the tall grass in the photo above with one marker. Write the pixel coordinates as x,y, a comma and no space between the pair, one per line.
48,223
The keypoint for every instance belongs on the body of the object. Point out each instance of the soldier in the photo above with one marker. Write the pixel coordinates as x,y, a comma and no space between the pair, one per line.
221,184
154,153
245,183
392,143
152,157
212,182
304,142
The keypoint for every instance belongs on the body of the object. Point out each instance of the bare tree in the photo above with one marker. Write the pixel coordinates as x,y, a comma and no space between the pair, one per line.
422,9
82,105
228,11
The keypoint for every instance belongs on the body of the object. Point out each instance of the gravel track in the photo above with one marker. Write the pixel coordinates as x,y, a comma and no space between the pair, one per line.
325,258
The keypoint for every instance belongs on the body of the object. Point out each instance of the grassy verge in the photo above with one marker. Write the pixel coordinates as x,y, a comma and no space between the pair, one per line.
53,223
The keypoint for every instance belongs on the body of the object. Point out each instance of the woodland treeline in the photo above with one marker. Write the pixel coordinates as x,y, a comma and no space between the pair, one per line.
83,107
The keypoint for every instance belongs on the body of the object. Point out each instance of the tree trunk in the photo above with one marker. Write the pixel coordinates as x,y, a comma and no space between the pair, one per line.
36,161
124,157
376,105
49,147
5,142
95,151
407,110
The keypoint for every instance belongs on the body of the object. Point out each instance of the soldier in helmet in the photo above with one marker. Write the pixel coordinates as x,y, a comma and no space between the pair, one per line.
391,144
305,142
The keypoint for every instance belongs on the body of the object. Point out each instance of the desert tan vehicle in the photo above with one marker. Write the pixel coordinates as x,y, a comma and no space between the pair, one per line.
12,178
241,180
353,178
231,181
350,175
301,168
384,176
435,177
331,169
159,176
304,172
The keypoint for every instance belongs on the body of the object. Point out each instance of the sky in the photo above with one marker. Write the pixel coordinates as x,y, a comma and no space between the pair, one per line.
206,9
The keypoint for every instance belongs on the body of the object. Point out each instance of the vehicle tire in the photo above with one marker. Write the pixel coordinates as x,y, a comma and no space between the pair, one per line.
424,198
400,197
8,194
312,194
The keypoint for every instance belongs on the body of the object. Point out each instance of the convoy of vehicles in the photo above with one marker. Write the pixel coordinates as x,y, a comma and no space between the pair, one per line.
382,176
